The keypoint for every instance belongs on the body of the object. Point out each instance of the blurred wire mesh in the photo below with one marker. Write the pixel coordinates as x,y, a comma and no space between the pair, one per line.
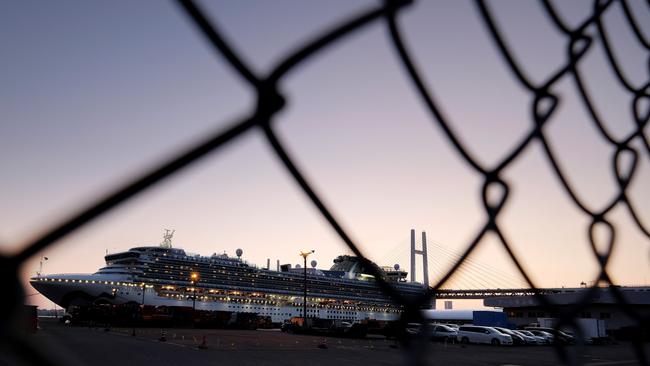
580,40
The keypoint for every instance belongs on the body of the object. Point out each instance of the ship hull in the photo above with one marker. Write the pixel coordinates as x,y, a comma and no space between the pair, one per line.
80,290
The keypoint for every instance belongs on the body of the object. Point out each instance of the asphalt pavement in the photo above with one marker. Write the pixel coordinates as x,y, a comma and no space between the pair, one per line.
118,346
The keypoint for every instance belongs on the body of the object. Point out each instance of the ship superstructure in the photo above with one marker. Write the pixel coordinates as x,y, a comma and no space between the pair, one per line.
166,276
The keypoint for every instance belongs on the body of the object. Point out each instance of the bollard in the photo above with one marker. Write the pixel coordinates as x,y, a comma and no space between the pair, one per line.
163,336
133,333
204,344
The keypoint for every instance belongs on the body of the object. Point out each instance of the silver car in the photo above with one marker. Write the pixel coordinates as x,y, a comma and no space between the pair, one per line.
479,334
441,332
529,337
546,336
539,339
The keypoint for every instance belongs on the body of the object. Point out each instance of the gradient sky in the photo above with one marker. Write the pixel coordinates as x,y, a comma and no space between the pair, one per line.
93,92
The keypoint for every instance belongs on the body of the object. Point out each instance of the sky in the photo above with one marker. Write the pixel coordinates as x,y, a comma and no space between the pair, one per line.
92,93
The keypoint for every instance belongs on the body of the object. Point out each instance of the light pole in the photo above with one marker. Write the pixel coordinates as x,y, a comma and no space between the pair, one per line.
194,278
141,311
304,255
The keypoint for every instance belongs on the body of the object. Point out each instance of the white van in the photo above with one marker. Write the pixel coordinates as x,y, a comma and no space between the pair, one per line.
479,334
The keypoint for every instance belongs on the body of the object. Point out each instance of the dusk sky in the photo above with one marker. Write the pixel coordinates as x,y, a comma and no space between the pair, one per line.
92,93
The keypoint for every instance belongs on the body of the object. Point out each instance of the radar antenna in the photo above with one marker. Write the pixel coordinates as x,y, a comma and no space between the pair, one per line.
167,238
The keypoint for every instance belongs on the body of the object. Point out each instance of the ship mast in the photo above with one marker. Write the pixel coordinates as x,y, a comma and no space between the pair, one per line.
167,238
40,266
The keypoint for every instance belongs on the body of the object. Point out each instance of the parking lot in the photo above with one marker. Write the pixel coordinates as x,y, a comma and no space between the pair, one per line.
83,345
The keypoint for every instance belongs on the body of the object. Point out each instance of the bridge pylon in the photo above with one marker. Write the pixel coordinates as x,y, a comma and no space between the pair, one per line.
423,253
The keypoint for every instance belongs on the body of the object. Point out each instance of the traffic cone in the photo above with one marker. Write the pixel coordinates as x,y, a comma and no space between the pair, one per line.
163,336
323,344
204,344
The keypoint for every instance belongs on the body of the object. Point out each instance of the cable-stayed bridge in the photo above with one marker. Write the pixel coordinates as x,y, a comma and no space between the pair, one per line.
473,279
483,293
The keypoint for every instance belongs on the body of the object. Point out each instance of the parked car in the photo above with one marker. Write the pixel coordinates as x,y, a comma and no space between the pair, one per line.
530,340
413,329
559,336
287,327
452,326
517,339
538,339
548,337
480,334
441,332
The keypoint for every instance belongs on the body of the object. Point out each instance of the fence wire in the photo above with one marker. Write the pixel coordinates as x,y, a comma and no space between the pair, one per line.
544,101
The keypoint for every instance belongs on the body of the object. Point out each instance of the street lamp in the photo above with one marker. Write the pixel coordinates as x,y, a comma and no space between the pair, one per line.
194,278
304,255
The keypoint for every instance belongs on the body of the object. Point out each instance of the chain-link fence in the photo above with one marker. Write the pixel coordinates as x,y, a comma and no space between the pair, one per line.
626,152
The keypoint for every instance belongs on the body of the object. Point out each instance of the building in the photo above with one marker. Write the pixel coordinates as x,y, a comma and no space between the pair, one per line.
477,317
524,310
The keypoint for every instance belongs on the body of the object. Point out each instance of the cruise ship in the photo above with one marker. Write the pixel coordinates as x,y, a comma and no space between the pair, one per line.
166,276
